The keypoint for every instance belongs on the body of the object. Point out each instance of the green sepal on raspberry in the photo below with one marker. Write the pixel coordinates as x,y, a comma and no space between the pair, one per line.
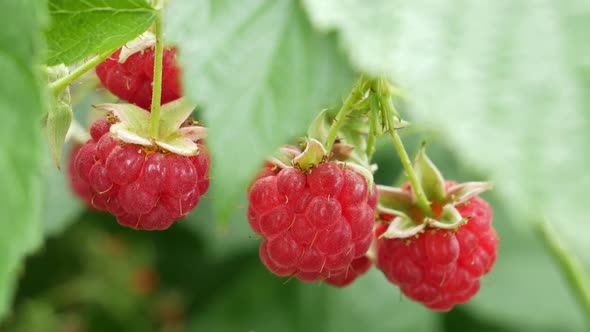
443,197
312,156
133,126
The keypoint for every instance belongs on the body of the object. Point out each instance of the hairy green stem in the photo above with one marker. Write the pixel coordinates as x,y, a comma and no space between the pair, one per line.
357,93
374,129
157,83
421,199
58,86
383,92
570,266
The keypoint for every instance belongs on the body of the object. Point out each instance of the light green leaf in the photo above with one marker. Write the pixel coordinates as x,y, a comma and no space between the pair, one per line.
505,81
261,73
79,29
21,105
59,116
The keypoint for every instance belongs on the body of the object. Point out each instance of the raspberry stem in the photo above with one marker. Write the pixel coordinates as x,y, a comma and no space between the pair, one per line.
356,95
58,86
570,266
381,87
373,127
157,82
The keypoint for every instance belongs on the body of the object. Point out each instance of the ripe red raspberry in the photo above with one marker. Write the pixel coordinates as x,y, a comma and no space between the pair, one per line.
441,268
144,190
132,79
80,188
358,267
313,225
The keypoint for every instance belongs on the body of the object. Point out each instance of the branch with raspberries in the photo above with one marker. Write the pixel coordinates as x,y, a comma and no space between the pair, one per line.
318,212
322,218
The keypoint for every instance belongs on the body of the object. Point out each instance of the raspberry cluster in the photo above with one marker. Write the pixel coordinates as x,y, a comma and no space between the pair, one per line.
132,79
316,225
144,189
441,268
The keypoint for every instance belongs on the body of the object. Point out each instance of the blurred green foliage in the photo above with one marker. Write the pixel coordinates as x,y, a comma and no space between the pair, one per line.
499,88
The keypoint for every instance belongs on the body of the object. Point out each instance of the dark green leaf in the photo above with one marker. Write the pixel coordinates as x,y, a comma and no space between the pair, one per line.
262,74
79,29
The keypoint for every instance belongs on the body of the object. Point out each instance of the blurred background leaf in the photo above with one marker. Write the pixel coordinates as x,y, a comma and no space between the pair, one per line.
261,72
22,104
504,82
499,88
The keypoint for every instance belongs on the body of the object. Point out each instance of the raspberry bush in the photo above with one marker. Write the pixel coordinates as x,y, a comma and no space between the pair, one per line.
144,105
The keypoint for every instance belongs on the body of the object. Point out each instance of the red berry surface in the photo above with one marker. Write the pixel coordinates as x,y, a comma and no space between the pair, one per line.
132,79
144,190
80,188
357,267
442,268
313,225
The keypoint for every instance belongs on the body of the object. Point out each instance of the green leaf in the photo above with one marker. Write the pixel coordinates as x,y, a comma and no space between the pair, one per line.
79,29
259,301
261,73
59,116
505,81
22,103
